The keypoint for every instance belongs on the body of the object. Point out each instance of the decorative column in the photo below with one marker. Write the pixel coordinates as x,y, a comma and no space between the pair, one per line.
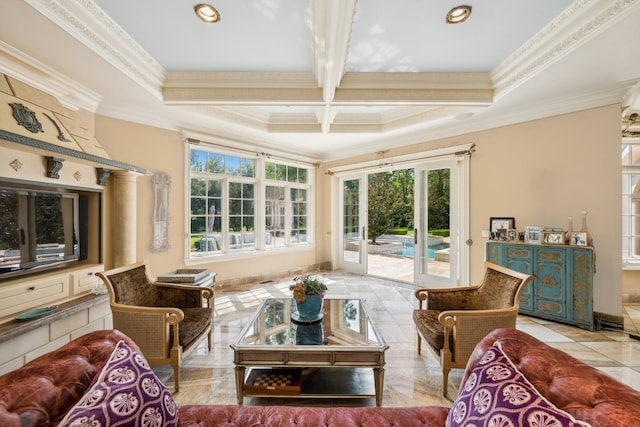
125,217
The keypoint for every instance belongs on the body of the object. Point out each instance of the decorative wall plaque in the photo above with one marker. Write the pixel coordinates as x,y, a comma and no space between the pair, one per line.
161,186
26,118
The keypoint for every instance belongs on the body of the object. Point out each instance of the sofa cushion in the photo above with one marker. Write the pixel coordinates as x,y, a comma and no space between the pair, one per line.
497,394
125,392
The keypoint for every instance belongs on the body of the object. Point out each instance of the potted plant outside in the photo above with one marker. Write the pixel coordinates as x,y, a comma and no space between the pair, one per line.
308,292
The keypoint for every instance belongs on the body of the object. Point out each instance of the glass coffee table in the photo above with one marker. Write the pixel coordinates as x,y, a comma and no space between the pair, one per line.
328,357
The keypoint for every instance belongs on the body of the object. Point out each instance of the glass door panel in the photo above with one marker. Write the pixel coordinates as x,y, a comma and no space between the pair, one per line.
353,244
436,234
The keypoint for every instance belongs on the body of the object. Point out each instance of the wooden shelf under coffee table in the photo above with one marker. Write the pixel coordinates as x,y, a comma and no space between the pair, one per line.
332,368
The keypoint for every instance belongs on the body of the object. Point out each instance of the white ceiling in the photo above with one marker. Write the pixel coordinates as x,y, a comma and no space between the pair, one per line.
325,79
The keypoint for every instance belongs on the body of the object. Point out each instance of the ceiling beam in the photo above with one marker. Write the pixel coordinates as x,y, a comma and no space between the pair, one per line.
332,27
228,88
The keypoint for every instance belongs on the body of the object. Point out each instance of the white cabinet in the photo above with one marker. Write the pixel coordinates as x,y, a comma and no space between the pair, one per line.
19,295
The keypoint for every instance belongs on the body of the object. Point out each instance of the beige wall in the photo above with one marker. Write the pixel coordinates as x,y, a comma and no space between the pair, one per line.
541,172
631,282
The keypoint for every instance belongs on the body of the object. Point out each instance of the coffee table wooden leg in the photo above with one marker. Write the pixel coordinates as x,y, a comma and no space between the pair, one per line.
240,371
378,379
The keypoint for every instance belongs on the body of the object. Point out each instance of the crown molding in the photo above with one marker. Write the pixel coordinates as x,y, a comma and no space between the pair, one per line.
34,73
579,23
86,22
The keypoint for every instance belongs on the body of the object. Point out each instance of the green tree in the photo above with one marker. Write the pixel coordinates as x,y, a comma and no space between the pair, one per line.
384,200
403,181
9,220
439,191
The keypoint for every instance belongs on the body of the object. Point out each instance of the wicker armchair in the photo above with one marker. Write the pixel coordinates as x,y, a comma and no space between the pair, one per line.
453,320
167,321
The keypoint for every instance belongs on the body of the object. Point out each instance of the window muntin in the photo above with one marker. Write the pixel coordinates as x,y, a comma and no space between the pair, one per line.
206,215
630,159
226,192
275,216
299,219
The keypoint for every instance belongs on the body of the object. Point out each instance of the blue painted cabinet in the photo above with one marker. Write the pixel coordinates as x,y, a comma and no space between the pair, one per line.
562,286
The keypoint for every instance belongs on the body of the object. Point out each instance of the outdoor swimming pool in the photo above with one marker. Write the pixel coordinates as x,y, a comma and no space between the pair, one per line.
408,249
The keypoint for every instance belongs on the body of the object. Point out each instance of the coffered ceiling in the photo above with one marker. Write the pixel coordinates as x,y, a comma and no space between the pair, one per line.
325,79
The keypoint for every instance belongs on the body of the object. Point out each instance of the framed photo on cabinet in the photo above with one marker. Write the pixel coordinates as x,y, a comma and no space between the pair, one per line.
533,235
553,237
578,238
512,235
501,223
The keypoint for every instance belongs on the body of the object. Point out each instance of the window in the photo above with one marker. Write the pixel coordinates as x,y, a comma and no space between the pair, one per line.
286,205
631,202
240,204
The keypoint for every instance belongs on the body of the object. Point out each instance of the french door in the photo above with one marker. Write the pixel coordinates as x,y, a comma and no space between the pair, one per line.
437,220
440,219
353,219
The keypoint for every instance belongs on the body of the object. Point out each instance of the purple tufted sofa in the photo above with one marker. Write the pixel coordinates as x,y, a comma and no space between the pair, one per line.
42,391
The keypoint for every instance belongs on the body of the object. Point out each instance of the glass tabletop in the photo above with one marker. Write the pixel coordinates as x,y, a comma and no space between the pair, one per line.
344,322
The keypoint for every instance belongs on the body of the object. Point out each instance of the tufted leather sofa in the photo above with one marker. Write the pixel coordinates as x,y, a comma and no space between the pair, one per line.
579,389
40,392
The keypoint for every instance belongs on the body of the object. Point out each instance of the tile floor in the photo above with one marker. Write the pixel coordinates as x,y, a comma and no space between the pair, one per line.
410,379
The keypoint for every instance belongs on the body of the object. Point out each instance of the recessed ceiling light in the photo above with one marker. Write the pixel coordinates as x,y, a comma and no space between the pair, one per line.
458,14
207,13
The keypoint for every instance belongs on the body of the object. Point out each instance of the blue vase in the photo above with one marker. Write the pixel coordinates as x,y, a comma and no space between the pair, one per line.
310,308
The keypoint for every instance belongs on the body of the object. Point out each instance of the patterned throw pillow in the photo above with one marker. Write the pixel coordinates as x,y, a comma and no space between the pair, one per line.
126,392
497,394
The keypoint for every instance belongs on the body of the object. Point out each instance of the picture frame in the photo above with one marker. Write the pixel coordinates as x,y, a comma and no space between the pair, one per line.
553,237
533,235
501,223
578,238
512,235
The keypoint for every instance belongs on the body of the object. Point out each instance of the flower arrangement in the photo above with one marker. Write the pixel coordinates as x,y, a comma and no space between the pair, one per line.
306,285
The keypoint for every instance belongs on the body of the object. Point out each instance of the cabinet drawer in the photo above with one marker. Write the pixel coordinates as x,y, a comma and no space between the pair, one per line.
34,293
551,255
519,252
83,281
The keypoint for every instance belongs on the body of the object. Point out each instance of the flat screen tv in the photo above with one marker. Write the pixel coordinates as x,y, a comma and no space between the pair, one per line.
39,229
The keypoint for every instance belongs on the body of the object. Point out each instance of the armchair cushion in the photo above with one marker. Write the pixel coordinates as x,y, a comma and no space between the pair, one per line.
125,392
496,393
195,321
430,328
